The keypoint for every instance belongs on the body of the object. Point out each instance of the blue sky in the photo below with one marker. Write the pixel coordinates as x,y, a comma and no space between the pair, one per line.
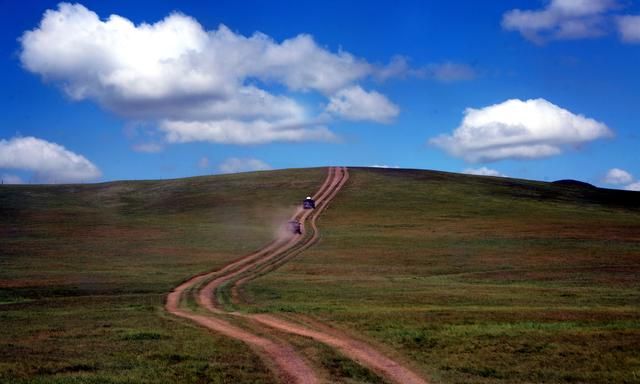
552,86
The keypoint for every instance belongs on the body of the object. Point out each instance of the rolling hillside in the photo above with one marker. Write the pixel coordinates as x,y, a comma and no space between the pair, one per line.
468,279
86,268
476,279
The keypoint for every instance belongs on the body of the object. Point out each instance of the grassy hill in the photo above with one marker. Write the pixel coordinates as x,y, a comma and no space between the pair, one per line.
474,279
84,270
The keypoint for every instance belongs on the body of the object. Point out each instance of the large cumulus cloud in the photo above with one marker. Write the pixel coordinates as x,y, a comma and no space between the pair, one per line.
179,74
519,129
49,162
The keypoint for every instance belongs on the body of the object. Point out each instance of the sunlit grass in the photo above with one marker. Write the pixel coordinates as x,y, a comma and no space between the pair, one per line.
476,279
84,271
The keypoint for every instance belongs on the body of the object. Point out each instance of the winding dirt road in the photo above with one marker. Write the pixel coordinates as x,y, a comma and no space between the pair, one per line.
227,281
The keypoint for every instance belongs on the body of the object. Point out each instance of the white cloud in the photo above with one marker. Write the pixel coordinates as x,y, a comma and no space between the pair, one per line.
629,28
483,171
617,176
302,65
398,67
235,165
354,103
445,72
561,19
243,133
148,147
384,166
50,162
449,72
520,130
633,187
11,179
203,163
176,72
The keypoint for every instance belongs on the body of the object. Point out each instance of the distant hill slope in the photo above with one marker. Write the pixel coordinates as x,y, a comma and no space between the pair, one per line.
574,183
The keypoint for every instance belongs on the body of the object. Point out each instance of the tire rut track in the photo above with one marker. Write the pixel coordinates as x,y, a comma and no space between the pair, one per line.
290,366
274,257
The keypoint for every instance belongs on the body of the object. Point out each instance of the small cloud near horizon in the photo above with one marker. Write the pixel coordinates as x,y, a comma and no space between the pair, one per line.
203,162
236,165
49,162
483,171
633,186
617,176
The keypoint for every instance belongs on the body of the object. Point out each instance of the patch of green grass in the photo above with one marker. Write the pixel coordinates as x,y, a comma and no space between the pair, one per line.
142,336
346,370
117,339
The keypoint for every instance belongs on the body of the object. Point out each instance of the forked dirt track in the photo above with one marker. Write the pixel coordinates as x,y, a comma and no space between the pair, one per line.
228,280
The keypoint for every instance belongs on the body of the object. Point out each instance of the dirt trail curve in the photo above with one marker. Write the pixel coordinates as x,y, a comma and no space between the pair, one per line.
293,368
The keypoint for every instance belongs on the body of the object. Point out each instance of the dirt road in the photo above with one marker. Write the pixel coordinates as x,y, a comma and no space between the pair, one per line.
228,280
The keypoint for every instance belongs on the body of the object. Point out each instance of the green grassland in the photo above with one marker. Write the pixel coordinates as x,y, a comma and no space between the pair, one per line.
476,279
471,279
84,270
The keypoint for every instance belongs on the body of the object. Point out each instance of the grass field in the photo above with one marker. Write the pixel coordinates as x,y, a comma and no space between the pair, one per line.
84,270
476,280
471,279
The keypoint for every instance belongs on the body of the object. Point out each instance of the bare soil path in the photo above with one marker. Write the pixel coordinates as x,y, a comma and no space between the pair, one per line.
292,367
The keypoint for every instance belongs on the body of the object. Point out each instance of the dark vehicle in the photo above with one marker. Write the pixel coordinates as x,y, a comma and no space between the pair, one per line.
308,203
294,227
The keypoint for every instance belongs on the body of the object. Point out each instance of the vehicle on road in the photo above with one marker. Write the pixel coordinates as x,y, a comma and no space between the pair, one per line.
294,227
308,203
